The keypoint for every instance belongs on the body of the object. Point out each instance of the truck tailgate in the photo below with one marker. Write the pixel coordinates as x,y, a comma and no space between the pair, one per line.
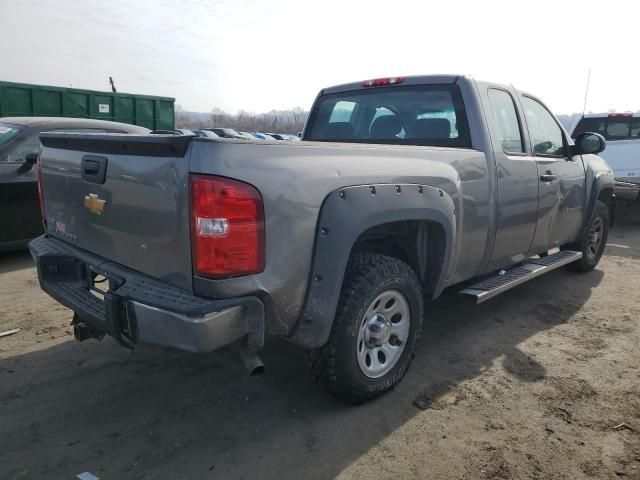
122,197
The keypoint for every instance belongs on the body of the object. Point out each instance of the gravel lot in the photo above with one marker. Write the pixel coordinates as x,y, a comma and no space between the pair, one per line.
542,383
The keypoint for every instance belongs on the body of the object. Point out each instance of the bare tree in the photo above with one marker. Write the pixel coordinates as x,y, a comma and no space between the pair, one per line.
277,121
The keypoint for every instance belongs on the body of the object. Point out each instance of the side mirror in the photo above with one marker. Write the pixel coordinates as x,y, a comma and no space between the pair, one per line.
589,143
30,160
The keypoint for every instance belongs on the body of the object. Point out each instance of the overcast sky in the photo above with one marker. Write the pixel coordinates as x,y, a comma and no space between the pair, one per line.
259,55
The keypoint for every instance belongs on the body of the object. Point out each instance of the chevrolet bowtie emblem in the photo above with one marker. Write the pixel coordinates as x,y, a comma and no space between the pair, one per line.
94,203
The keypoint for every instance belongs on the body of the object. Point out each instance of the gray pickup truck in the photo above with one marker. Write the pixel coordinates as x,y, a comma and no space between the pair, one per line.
401,188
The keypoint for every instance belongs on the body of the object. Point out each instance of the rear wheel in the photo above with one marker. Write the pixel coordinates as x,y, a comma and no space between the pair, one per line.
375,332
593,241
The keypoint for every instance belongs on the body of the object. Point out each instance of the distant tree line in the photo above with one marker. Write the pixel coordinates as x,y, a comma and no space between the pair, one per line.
276,121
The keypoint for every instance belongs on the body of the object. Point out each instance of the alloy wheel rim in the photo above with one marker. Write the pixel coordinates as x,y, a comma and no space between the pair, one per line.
383,333
595,238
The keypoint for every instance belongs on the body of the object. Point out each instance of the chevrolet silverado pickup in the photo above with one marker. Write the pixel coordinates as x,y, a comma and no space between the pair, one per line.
400,188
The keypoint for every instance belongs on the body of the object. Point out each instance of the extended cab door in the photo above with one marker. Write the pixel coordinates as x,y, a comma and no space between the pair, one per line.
562,179
516,182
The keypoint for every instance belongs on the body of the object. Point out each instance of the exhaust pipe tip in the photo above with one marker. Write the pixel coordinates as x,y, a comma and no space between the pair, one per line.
257,371
252,361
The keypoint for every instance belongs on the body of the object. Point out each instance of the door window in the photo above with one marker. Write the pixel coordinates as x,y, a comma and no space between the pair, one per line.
506,121
545,132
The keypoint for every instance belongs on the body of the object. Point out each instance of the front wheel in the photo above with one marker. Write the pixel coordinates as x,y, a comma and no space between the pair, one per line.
593,241
375,332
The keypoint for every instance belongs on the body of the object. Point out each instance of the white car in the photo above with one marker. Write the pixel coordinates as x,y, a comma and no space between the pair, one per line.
622,132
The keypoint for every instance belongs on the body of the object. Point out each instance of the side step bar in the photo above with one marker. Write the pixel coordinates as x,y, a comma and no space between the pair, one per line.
507,279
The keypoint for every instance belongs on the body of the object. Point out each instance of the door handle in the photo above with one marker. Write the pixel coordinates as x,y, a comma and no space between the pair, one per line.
548,177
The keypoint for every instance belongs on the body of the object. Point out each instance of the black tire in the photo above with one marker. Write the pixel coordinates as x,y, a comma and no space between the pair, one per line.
593,241
335,367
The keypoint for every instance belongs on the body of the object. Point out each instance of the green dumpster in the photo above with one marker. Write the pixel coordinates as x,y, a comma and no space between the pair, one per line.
25,100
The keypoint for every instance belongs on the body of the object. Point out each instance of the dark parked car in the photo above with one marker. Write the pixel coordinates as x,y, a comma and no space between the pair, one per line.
19,146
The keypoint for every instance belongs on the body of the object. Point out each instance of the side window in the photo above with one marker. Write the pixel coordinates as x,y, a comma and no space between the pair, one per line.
29,145
546,134
342,112
618,129
505,118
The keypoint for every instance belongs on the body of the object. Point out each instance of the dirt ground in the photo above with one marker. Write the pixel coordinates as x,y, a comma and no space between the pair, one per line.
540,383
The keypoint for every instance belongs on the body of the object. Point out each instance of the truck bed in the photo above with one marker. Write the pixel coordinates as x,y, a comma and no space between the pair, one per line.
145,221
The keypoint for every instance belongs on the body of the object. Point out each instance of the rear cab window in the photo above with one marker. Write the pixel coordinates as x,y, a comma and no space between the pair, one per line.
406,115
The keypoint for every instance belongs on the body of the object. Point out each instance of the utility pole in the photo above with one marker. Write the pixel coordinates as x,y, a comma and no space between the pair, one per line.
113,85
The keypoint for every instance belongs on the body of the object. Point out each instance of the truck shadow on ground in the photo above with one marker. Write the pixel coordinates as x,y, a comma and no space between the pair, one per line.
14,261
624,237
155,413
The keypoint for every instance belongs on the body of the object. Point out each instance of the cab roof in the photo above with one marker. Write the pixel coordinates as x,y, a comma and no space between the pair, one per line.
612,115
410,80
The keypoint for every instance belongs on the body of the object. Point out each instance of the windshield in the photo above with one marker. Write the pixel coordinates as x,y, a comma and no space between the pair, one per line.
411,115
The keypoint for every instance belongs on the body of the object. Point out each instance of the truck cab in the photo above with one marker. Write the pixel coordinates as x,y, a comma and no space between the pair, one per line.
622,132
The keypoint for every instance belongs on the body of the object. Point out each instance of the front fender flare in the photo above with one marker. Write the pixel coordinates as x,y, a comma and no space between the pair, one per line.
347,213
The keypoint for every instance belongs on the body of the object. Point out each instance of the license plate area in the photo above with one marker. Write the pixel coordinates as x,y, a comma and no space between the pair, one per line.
82,280
63,269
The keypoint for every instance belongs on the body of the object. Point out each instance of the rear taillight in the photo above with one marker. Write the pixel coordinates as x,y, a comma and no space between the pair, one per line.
227,227
40,197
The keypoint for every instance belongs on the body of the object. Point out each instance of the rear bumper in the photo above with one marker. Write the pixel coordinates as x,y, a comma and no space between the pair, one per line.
627,190
135,308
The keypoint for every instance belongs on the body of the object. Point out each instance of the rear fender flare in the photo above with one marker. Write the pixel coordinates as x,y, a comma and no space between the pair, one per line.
344,216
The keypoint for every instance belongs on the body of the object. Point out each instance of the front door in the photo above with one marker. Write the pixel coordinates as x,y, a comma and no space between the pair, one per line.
562,180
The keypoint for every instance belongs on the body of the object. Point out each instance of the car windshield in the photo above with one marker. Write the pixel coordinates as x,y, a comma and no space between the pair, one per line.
410,115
